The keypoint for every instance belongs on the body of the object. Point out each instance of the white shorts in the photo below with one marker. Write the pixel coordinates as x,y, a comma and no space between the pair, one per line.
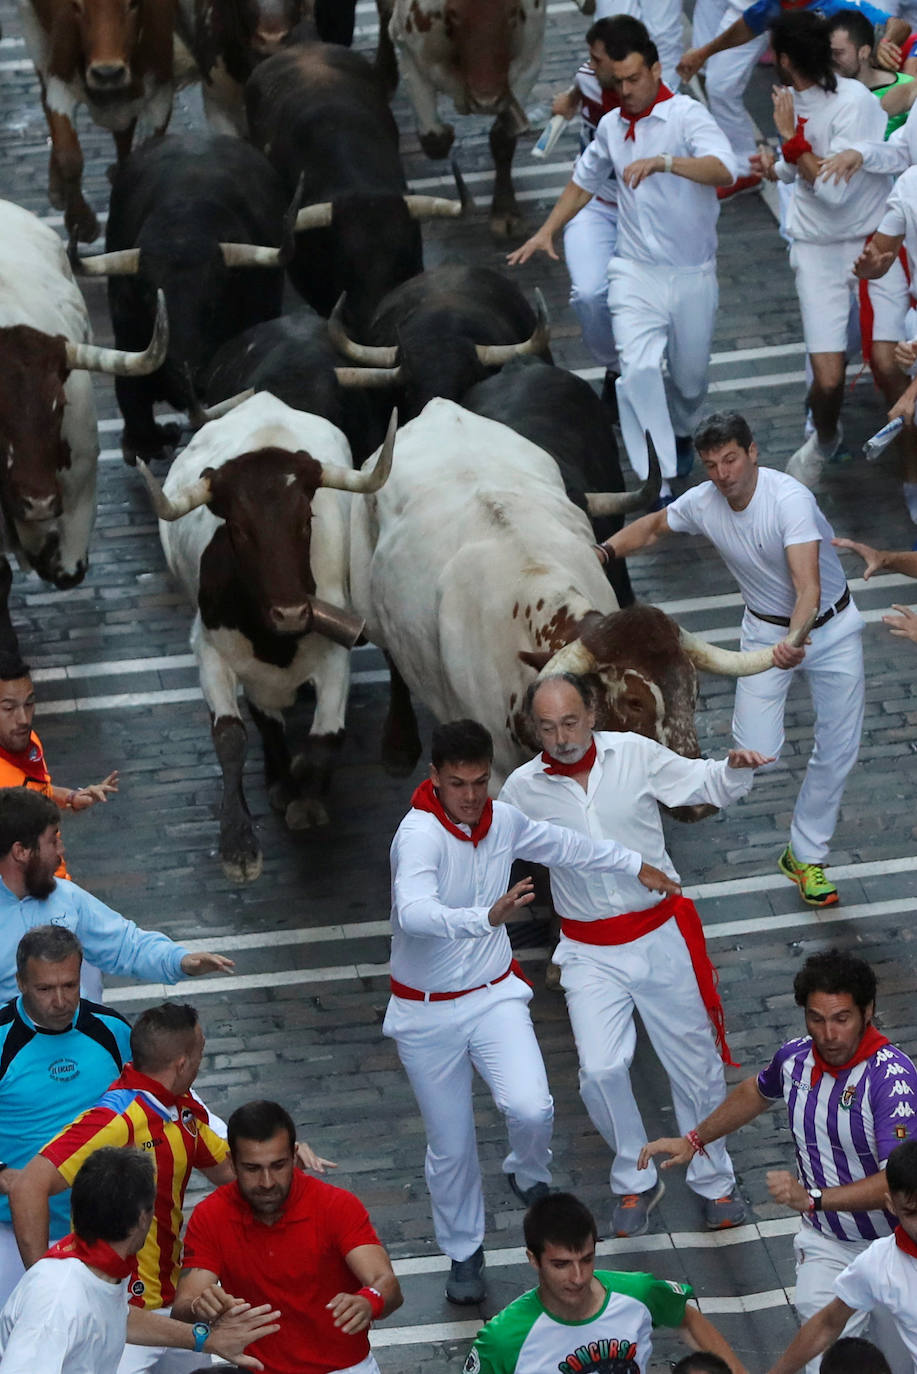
825,284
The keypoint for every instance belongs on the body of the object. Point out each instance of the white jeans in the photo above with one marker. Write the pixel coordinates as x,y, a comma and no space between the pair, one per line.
665,21
604,985
160,1359
833,667
660,311
728,74
819,1260
589,241
439,1044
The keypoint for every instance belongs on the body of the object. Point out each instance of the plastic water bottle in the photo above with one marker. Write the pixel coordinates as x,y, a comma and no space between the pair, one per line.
881,440
549,136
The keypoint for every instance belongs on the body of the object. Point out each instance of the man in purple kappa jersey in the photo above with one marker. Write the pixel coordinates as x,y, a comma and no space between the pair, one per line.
851,1098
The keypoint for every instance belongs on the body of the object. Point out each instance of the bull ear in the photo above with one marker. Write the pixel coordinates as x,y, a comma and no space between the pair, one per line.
535,658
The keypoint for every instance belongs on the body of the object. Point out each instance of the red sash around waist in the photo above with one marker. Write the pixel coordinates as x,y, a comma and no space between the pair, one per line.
415,994
631,925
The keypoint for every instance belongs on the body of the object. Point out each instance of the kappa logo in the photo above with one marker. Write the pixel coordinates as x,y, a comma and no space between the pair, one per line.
894,1069
900,1089
903,1109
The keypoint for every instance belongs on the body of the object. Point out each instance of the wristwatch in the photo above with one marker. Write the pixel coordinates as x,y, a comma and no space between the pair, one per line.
814,1199
200,1331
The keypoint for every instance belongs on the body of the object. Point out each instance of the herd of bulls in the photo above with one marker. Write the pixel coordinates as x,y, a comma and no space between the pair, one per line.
463,546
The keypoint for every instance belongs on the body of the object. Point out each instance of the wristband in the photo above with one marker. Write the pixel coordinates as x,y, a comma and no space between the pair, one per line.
695,1141
68,803
605,553
666,162
794,147
375,1300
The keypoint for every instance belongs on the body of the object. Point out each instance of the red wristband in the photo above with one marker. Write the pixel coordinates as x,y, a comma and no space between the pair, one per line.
694,1140
794,147
375,1300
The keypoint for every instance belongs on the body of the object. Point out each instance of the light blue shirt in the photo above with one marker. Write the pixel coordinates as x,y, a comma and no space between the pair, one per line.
109,940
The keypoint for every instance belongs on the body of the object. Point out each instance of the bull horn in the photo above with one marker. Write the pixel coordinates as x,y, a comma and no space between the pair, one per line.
253,255
365,354
729,662
125,262
572,658
315,216
495,355
200,415
362,482
119,363
432,207
625,502
189,498
368,377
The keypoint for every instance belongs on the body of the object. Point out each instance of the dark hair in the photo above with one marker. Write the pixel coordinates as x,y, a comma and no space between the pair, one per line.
12,666
701,1362
259,1121
804,40
24,817
54,944
461,741
113,1187
558,1219
835,971
720,428
160,1034
862,35
901,1169
622,34
586,694
854,1355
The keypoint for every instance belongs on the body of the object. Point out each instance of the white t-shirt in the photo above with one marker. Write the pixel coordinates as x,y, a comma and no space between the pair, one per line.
901,215
63,1319
753,542
882,1275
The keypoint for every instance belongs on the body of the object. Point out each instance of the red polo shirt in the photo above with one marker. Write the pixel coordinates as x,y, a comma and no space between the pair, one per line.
297,1265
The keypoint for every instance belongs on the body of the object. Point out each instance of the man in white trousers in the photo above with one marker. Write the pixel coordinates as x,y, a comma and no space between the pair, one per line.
622,950
668,156
776,542
664,22
459,1001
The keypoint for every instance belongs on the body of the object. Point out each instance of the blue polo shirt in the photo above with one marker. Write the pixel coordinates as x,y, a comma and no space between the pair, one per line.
762,13
47,1078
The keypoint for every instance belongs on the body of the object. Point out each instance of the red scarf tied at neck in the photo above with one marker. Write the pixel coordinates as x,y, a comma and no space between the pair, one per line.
569,770
99,1255
904,1242
426,799
871,1043
662,94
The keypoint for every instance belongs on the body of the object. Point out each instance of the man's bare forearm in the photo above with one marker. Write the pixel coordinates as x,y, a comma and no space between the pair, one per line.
640,534
30,1209
742,1105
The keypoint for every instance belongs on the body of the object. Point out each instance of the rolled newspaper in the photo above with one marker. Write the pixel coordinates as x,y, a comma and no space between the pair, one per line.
549,136
881,440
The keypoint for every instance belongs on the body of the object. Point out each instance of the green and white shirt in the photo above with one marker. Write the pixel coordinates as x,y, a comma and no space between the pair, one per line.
525,1339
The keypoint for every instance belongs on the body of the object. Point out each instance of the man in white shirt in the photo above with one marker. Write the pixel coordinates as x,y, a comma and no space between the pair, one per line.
776,543
817,114
459,1001
621,950
668,156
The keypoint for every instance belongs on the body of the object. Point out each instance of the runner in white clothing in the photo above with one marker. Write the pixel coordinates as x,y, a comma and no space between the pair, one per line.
668,156
459,1001
777,545
620,950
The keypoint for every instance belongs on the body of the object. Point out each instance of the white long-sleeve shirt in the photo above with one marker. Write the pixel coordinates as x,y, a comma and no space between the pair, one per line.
443,889
901,215
826,212
667,219
893,155
630,777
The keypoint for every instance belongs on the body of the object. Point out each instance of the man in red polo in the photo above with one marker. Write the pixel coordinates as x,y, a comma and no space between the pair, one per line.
311,1246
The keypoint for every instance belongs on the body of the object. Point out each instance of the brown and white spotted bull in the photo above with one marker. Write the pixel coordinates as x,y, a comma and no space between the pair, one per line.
115,57
472,567
254,523
49,442
485,55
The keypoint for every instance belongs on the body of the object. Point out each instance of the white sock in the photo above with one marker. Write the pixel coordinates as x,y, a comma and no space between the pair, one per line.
909,490
666,490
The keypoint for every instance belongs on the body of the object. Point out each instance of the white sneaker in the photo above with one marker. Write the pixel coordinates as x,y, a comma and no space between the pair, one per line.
807,462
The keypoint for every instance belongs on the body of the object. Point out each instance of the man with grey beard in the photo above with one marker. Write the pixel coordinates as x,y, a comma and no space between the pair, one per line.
623,948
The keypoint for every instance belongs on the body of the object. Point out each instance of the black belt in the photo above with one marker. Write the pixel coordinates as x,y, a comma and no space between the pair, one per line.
840,605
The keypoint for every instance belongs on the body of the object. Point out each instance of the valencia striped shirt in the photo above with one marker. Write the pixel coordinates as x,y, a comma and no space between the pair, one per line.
130,1115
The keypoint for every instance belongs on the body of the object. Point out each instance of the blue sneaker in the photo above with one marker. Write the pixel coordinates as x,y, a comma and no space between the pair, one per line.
684,455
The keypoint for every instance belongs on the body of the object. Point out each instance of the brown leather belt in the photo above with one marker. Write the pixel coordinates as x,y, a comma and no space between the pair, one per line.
840,605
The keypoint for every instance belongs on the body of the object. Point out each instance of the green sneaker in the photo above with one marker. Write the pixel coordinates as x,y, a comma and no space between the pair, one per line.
814,888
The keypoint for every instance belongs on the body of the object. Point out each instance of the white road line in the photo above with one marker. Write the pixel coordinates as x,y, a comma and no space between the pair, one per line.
122,701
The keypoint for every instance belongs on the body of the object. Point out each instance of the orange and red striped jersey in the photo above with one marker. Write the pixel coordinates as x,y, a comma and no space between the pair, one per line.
180,1139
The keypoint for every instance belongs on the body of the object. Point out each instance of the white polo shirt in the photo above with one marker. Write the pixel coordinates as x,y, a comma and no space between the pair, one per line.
667,219
883,1275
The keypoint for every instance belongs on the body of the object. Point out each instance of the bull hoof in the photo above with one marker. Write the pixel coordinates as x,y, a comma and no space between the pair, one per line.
305,813
81,223
505,224
552,977
438,142
243,868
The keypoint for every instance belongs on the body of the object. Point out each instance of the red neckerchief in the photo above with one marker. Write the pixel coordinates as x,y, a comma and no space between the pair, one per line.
99,1255
871,1043
662,94
30,761
569,770
425,799
904,1242
139,1082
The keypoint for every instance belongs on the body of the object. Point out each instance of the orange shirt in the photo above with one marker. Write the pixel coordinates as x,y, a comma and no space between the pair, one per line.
28,769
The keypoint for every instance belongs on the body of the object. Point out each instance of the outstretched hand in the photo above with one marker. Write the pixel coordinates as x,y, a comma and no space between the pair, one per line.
841,166
874,560
904,624
540,242
84,797
193,965
679,1149
747,758
511,903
